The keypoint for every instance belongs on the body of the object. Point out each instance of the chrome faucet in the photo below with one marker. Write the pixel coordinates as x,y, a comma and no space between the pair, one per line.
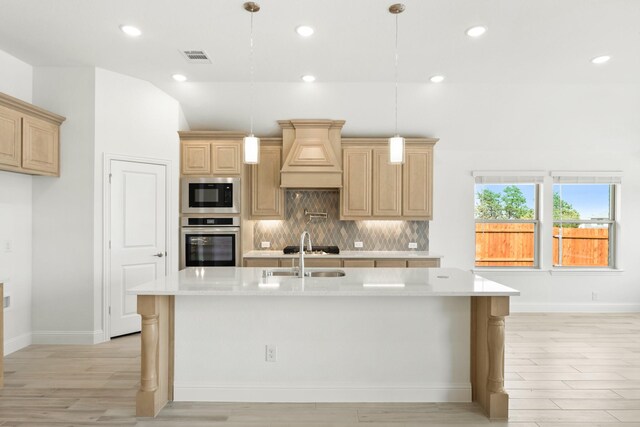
301,263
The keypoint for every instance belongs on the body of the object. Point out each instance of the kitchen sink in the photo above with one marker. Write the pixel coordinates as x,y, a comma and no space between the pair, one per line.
309,273
325,273
284,272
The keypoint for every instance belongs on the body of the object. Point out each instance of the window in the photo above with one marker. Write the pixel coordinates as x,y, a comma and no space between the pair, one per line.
507,220
584,220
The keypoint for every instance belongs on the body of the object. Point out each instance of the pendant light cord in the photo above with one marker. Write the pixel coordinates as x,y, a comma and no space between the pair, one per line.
396,72
252,77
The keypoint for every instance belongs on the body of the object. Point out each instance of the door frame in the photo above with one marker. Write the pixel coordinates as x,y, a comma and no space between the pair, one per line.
106,226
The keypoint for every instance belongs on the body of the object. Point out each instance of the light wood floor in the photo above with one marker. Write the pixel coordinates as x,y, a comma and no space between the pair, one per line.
563,370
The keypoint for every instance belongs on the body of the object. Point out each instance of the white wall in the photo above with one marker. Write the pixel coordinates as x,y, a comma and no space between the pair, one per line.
16,79
133,118
539,128
63,213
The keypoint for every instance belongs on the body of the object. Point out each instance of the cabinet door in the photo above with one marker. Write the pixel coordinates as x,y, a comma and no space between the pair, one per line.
417,183
10,137
267,198
226,159
40,146
358,263
196,158
356,185
266,262
391,263
387,185
423,263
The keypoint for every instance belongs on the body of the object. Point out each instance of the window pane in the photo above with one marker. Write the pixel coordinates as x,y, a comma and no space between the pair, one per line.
505,245
581,201
505,201
581,245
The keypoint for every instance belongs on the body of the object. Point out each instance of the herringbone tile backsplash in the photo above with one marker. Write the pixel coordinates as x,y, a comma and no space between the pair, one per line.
375,235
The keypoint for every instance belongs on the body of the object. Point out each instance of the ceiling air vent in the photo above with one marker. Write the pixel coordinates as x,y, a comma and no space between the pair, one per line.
196,56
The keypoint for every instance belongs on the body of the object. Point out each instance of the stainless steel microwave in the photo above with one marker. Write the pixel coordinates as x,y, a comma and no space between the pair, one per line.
211,195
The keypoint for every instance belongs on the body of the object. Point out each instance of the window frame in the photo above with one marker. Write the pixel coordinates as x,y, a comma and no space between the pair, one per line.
612,222
535,221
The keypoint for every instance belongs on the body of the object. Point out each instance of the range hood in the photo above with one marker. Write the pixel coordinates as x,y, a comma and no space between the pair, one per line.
312,153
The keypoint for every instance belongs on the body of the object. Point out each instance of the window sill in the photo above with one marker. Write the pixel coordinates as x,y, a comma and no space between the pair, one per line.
554,272
508,271
586,271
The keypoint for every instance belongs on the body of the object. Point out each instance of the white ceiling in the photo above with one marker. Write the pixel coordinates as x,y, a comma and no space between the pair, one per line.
528,42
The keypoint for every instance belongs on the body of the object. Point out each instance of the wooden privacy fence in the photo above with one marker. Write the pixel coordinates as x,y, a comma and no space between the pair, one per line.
512,245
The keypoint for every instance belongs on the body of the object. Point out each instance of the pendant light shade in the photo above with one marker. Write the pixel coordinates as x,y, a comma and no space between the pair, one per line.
251,144
396,149
251,150
396,143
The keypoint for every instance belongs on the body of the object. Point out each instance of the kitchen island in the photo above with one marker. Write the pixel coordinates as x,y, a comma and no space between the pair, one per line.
377,335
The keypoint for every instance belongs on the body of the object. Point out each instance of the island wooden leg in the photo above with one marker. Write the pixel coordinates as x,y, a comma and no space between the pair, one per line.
156,366
487,355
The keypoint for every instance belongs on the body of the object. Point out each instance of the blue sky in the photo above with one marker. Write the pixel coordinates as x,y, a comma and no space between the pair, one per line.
591,200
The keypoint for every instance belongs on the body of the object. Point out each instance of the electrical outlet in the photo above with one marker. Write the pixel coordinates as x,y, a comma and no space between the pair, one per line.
271,353
594,296
265,244
413,245
7,301
357,244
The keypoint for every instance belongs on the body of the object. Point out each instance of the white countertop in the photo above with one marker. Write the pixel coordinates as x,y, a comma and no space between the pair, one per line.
346,254
398,282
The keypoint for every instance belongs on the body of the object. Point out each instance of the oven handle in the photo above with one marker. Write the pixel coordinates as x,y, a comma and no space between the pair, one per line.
224,230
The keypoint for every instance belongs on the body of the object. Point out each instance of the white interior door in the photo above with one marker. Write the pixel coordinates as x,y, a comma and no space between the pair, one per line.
138,236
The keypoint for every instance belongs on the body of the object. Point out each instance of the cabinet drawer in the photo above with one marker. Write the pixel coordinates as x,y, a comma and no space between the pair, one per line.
271,262
391,263
423,263
358,263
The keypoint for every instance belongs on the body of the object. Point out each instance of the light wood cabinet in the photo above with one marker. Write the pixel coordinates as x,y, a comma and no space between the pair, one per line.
267,198
356,192
417,183
40,146
391,263
211,153
226,158
423,263
387,185
291,262
196,158
386,191
29,138
10,137
258,262
358,263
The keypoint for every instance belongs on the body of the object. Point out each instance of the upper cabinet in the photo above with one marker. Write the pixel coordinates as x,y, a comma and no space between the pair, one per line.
205,153
29,138
267,197
372,188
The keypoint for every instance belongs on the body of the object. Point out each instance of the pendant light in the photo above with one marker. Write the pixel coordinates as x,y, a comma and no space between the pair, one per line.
396,143
251,142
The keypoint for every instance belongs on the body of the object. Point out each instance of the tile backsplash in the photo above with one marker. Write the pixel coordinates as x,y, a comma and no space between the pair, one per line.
375,235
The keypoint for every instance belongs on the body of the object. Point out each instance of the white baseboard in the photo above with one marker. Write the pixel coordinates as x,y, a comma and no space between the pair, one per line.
67,337
595,307
14,344
249,393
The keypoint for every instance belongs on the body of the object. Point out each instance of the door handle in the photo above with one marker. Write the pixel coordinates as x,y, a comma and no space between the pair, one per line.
159,255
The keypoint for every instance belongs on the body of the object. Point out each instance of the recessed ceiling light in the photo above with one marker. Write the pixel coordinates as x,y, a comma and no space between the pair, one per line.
304,30
601,59
130,30
179,77
476,31
308,78
437,79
